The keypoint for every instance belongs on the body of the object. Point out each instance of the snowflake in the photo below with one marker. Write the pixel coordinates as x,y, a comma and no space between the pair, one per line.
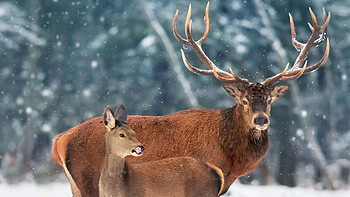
94,64
303,113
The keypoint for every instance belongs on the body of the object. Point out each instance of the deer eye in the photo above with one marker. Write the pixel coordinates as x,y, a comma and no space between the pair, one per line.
269,101
121,135
245,102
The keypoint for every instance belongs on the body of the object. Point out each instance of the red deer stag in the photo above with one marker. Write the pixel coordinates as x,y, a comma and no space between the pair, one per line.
179,176
233,139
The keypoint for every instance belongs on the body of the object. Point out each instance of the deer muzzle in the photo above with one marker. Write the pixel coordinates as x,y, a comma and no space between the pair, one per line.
261,121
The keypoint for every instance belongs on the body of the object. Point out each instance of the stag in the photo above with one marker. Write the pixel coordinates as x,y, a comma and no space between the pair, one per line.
233,139
179,176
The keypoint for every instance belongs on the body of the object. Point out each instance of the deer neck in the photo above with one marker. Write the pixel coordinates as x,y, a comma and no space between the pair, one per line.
113,172
114,163
237,139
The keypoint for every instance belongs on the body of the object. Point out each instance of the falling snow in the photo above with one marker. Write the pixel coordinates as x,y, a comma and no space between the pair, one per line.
94,64
303,113
63,61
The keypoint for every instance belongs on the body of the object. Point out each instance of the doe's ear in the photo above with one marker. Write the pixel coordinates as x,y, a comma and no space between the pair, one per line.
278,91
108,118
232,90
120,114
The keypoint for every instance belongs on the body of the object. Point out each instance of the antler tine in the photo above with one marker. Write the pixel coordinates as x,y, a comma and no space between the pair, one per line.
324,13
272,80
326,19
176,34
196,45
192,43
297,45
194,69
310,26
325,22
231,78
314,20
199,71
243,81
296,74
206,20
188,26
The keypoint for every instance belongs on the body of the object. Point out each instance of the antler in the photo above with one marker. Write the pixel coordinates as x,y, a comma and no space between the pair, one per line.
196,45
319,34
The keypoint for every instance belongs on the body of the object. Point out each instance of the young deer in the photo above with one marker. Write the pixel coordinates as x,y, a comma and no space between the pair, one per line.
234,139
180,176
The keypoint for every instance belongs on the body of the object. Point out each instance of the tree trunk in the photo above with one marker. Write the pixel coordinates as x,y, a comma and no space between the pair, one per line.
30,128
172,55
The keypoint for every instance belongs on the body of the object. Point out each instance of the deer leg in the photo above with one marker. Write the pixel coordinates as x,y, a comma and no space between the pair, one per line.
74,188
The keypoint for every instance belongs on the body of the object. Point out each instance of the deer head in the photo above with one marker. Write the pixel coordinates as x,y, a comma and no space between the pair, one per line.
120,138
255,98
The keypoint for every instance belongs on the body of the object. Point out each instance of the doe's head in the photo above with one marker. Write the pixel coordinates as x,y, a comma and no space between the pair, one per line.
120,138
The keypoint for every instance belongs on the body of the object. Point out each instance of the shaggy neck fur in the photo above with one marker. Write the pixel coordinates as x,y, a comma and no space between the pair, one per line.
238,140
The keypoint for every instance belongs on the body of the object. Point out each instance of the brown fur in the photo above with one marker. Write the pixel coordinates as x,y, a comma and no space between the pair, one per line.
171,177
58,156
220,174
215,136
179,176
55,154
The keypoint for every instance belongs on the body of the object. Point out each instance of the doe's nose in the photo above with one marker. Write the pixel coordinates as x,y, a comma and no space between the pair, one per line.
142,148
138,150
261,120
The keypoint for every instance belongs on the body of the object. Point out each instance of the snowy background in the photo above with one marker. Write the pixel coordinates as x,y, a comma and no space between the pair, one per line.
61,62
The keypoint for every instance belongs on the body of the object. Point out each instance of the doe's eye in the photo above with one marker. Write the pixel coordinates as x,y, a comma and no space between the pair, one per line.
121,135
245,102
269,101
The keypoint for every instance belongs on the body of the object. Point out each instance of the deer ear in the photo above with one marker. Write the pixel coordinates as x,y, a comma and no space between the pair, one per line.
232,90
120,114
278,91
108,118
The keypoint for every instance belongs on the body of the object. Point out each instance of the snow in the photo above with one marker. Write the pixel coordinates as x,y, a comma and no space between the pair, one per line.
303,113
236,190
94,64
148,41
30,189
46,127
29,110
344,77
239,190
300,132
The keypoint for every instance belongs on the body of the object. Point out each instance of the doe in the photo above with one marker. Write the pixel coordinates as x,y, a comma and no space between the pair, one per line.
179,176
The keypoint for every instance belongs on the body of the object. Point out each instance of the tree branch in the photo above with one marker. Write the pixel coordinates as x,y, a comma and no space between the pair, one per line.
170,52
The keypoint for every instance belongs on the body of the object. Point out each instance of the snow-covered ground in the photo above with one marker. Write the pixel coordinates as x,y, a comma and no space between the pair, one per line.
236,190
31,190
239,190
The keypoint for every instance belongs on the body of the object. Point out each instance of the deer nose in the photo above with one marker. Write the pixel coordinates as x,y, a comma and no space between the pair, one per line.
138,150
261,120
142,148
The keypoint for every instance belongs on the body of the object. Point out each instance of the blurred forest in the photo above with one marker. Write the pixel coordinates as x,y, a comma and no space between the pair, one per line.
62,62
